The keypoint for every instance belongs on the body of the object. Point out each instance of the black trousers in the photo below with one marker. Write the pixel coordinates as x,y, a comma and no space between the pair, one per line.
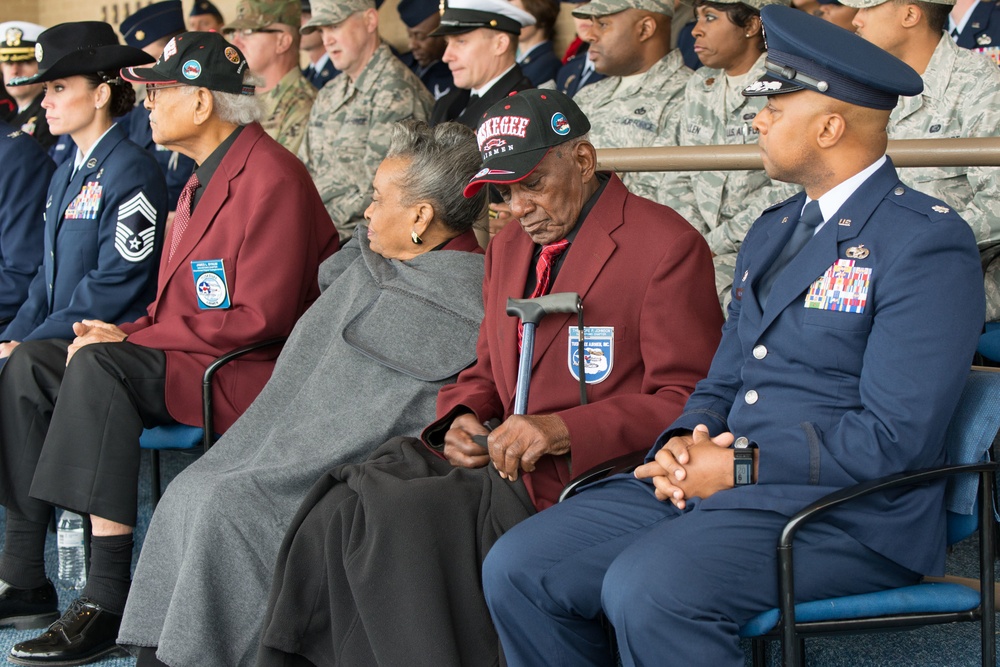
69,435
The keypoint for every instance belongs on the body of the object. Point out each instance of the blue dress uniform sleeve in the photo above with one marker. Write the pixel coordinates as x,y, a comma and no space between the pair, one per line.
25,171
101,266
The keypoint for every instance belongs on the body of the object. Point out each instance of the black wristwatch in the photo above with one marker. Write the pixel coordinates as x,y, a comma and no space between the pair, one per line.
743,461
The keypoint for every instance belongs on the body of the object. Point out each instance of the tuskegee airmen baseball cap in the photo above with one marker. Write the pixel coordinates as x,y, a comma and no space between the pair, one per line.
517,132
203,59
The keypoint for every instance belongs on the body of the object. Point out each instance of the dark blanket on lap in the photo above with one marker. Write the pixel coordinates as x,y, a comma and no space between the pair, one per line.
381,565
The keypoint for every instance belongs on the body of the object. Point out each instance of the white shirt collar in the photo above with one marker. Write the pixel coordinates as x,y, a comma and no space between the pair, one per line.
482,90
965,19
323,60
831,201
81,159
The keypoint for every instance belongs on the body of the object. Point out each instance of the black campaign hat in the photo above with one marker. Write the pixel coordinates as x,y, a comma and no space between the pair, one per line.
203,59
84,47
153,22
805,52
517,132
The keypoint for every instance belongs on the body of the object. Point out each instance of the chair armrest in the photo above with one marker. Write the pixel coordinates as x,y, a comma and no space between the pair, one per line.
786,581
212,369
624,463
849,493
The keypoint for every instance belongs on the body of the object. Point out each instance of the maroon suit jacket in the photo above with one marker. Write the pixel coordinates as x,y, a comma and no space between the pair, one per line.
261,215
639,268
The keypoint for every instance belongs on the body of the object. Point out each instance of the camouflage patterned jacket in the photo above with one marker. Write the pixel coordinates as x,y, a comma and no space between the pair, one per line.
349,130
637,111
718,203
286,109
961,98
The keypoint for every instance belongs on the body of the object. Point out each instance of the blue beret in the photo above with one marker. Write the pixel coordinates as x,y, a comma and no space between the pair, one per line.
413,12
804,52
156,21
203,7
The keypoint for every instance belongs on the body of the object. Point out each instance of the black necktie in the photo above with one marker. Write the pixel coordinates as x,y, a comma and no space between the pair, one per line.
811,217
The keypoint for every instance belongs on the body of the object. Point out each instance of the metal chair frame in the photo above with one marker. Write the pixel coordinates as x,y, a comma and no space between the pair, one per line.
208,419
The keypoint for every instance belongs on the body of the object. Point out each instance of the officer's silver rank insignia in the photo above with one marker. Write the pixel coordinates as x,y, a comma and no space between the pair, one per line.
857,252
940,209
598,353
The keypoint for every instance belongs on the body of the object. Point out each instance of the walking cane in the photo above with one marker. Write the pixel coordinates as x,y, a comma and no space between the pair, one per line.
531,312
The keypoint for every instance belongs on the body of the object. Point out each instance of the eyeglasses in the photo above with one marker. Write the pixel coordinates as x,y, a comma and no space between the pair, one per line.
152,89
246,32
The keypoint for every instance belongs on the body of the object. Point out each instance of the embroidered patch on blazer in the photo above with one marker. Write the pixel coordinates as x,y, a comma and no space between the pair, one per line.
136,229
598,356
843,288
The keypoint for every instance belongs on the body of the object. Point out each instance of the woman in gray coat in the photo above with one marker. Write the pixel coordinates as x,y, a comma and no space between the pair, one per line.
394,323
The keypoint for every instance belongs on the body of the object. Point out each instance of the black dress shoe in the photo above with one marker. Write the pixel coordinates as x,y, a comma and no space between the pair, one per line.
28,608
83,634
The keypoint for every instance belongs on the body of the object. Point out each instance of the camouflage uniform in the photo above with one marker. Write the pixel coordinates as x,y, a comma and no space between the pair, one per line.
349,130
961,98
286,109
715,112
638,111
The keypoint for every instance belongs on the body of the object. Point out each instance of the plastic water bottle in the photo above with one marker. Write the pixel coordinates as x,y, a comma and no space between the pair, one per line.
72,558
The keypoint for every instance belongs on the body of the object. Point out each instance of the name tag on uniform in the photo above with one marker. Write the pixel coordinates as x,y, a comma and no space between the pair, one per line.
844,288
210,284
598,356
85,205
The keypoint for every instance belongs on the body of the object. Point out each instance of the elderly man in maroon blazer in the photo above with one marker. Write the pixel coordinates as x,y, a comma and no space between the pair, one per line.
382,562
239,266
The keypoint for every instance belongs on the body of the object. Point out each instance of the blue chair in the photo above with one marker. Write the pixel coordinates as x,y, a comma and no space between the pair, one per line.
989,342
974,431
183,437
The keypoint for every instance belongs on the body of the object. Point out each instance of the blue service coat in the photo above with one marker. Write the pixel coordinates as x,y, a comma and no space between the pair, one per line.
568,78
24,180
103,236
319,77
176,168
541,64
834,397
437,78
982,30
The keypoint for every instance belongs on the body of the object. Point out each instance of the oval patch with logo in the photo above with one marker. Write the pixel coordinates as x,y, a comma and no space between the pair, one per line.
232,55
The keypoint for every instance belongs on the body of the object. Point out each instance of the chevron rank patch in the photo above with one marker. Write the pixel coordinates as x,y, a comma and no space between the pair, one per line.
136,229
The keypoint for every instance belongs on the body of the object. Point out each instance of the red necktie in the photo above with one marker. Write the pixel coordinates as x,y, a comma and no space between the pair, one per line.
183,214
543,274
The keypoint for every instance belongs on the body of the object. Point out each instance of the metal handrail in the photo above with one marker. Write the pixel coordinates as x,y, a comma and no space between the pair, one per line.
967,152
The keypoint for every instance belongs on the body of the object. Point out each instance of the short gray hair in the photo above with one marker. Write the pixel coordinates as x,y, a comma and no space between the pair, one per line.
443,159
234,108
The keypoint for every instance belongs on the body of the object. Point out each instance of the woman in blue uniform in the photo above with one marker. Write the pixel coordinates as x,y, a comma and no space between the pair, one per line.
106,206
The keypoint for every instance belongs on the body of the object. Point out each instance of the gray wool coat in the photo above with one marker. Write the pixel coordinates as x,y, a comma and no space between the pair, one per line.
362,365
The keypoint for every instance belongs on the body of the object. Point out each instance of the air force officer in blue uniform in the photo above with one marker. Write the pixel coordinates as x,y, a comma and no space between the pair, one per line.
852,326
105,209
